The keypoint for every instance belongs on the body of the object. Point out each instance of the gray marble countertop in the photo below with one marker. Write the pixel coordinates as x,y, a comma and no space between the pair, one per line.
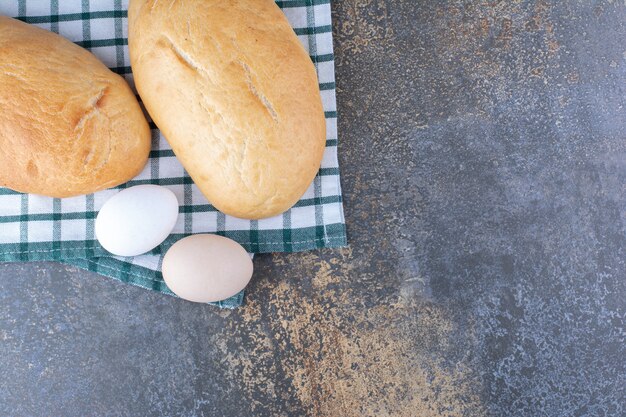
483,152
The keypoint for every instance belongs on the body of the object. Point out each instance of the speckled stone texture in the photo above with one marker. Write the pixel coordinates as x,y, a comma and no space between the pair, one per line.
483,147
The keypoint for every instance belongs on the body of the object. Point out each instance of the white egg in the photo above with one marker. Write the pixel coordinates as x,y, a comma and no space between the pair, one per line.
136,220
206,268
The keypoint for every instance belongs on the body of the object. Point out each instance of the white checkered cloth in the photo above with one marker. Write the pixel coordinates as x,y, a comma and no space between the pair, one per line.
40,228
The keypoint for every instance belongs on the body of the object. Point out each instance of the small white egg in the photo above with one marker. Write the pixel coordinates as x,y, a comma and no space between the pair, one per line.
136,220
206,268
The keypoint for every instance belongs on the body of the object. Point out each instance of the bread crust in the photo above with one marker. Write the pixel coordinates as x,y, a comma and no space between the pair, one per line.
68,125
235,94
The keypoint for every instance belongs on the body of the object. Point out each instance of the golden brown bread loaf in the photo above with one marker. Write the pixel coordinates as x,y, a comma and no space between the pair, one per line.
68,125
236,95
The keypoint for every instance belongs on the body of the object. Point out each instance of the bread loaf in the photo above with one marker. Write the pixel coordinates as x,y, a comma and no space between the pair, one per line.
68,125
235,94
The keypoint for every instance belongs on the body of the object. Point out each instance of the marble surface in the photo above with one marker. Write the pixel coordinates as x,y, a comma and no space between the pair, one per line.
483,152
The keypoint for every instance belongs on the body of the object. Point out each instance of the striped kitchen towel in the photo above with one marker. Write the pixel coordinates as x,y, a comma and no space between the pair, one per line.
34,228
